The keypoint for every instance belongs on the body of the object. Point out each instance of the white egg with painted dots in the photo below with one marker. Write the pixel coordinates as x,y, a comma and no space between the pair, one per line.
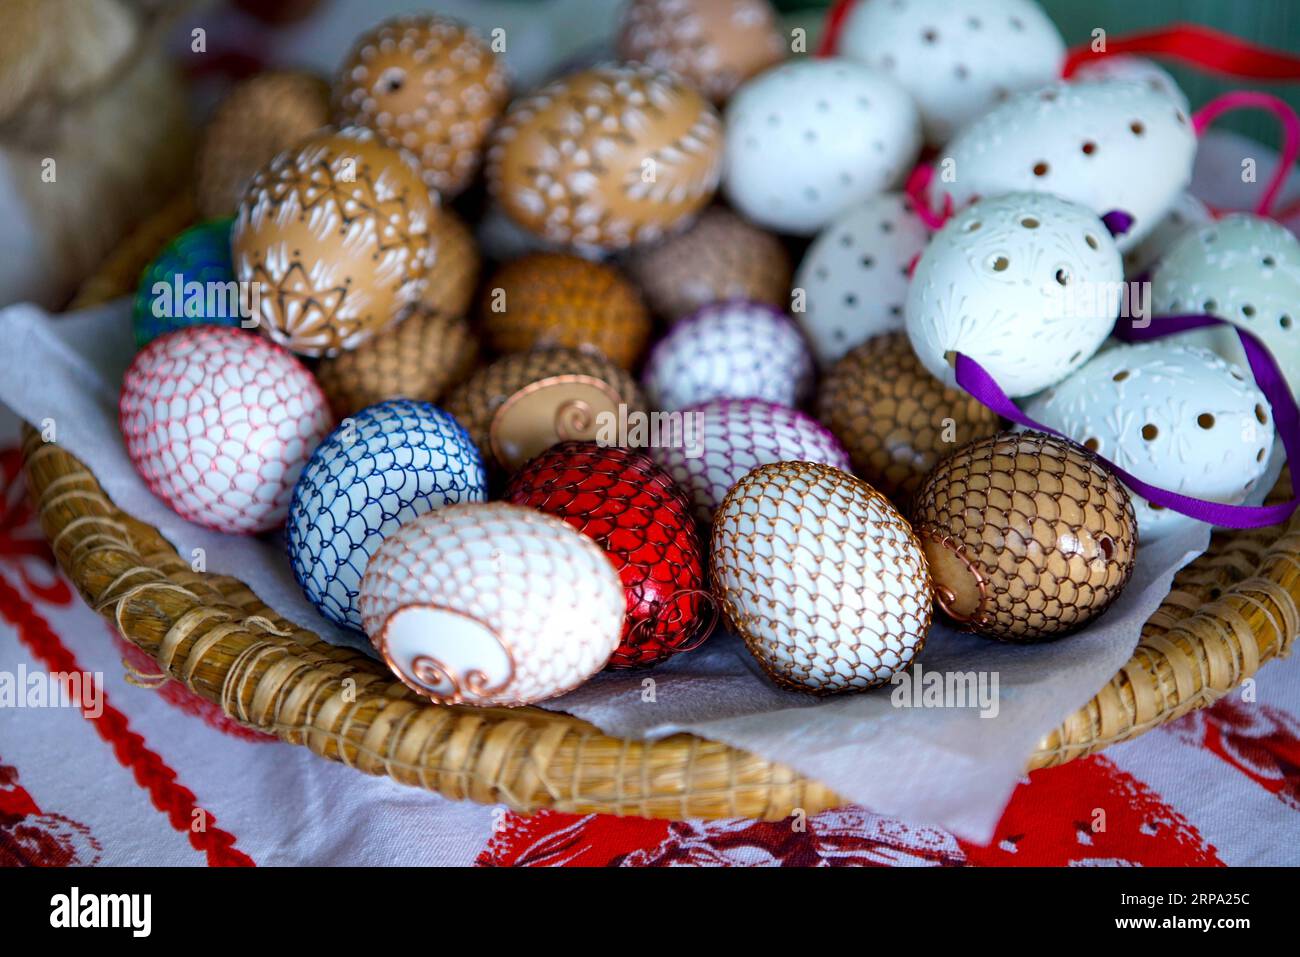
957,58
1026,284
491,604
852,283
1174,415
1105,144
808,139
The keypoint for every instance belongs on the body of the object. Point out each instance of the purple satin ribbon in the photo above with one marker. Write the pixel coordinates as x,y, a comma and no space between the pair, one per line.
972,377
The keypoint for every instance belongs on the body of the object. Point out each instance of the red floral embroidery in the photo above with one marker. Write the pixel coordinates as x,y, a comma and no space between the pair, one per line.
31,838
1261,742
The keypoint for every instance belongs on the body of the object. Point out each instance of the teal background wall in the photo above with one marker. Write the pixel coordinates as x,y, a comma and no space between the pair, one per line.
1274,23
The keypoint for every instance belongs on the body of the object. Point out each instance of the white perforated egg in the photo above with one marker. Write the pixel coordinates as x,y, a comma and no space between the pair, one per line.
734,350
1125,67
1173,415
1105,144
808,139
854,277
1245,269
957,58
1026,284
491,604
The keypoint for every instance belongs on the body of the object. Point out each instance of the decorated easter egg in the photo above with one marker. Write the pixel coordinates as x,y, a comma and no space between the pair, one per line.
1174,415
335,232
378,470
219,423
430,85
893,417
714,45
1245,269
1126,67
1027,536
633,510
820,576
811,138
555,299
259,119
454,275
717,442
191,282
606,157
491,604
731,350
1026,284
956,58
522,404
855,275
419,359
1186,215
720,256
1105,144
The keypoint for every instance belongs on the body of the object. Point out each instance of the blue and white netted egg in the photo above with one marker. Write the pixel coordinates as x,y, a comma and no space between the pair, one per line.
730,350
190,283
381,468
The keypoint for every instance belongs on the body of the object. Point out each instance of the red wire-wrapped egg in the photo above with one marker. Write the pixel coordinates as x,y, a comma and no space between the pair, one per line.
643,520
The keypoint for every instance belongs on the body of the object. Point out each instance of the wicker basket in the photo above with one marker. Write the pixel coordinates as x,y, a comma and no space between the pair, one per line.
1229,612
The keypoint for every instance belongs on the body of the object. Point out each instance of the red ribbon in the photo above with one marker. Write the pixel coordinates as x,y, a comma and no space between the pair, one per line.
1211,50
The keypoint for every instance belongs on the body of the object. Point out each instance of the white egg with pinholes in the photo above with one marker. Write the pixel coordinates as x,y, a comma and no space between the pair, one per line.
1174,415
736,350
852,283
1245,269
957,58
1026,284
1126,67
808,139
1105,144
491,604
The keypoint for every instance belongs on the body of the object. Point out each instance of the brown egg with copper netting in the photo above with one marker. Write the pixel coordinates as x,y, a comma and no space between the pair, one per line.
555,299
525,402
1028,536
453,277
895,419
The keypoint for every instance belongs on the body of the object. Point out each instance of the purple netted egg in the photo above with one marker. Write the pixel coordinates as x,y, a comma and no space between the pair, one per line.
734,350
376,471
718,442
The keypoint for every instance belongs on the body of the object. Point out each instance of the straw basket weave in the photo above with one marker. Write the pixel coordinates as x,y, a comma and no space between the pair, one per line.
1229,612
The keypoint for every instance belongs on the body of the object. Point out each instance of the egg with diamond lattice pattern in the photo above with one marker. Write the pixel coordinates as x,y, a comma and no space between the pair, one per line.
220,423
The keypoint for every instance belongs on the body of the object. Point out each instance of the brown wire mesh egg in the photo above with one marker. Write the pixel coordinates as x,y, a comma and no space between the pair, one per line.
260,118
454,276
522,404
895,419
1028,536
428,84
555,299
720,257
821,576
420,358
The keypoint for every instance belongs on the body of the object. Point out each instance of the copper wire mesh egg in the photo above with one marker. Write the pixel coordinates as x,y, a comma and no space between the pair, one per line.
1028,536
894,418
821,576
260,117
456,264
721,256
420,358
555,299
524,403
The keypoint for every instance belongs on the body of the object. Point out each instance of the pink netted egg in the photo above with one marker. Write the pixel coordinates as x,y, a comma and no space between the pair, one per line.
219,423
716,443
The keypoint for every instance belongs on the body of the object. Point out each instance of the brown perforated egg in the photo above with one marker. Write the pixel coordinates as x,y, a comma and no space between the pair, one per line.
720,256
894,418
335,233
1028,536
554,299
607,157
714,44
430,85
456,264
260,118
421,358
522,404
